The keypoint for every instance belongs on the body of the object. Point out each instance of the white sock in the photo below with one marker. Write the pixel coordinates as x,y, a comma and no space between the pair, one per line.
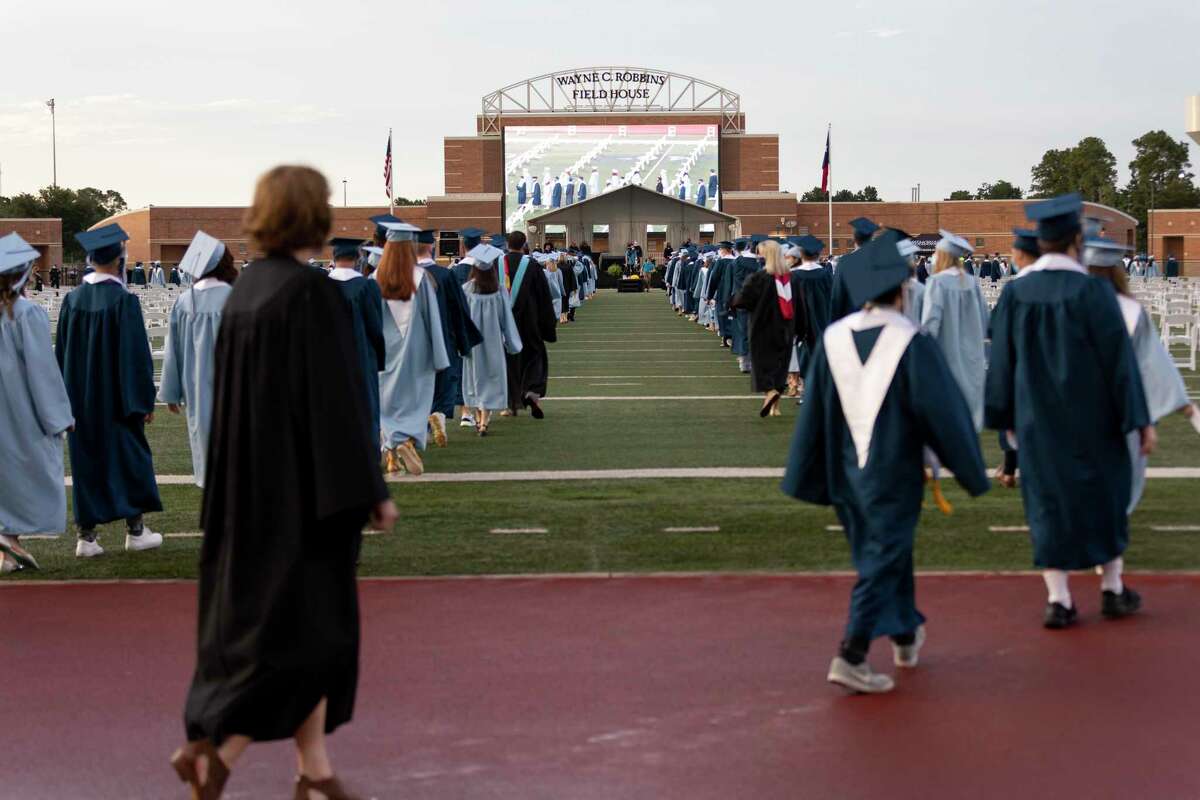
1056,585
1110,576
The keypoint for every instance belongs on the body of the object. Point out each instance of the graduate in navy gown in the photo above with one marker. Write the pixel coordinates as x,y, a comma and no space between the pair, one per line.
812,286
462,270
745,266
1024,253
104,355
840,304
366,312
879,392
718,289
189,369
35,413
1064,381
461,335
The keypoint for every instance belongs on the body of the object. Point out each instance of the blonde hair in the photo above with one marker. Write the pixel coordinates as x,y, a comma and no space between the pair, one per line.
943,261
772,255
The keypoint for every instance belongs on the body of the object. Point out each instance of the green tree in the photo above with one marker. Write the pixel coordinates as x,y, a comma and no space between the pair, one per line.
1052,175
961,194
1094,170
1000,190
869,194
78,210
1160,176
844,196
814,195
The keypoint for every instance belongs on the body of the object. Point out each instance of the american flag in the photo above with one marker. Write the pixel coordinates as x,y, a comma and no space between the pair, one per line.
387,168
824,164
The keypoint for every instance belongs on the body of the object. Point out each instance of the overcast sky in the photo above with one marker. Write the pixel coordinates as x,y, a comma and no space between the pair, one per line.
185,104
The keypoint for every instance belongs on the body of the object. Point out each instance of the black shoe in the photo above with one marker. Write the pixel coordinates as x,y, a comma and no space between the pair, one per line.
535,408
1115,606
1059,616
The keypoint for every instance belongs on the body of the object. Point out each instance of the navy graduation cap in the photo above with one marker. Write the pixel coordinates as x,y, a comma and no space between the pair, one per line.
758,238
863,227
726,244
1056,218
1025,240
810,244
499,241
103,245
344,247
470,237
379,220
427,237
741,242
879,269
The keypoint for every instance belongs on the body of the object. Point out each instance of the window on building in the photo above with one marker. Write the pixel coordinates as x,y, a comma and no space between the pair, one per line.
979,241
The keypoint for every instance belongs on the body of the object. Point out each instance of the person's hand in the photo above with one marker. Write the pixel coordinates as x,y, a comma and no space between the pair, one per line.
384,516
1149,437
150,418
173,408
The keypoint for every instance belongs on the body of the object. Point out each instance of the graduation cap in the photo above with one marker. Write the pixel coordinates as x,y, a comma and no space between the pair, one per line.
427,237
400,231
742,242
810,244
1056,218
17,256
202,256
380,227
344,247
1101,252
1026,241
725,244
470,236
485,253
864,228
758,238
878,269
954,245
103,245
500,241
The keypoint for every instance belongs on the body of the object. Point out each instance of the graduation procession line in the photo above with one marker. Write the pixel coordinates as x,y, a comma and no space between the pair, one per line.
645,473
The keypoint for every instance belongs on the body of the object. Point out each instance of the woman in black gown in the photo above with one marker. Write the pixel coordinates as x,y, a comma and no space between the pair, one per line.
291,480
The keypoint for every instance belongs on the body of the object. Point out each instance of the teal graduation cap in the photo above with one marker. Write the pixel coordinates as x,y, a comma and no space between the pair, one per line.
1056,218
471,237
880,268
499,241
863,228
810,244
1025,240
103,245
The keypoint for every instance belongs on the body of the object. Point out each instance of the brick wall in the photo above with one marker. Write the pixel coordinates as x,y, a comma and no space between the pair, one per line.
1176,232
44,233
761,212
750,163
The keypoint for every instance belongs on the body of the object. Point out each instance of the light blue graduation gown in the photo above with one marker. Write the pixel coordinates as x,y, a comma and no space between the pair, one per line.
34,412
414,357
157,278
1161,381
485,368
557,289
189,362
577,296
956,316
914,300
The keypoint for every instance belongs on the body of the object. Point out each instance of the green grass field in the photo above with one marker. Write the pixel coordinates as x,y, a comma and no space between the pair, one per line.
625,347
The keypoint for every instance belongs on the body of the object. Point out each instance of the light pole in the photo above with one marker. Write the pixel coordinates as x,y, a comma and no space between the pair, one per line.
343,192
53,143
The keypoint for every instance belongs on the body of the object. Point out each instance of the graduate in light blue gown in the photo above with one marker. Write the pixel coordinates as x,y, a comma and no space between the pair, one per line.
187,375
35,412
1161,381
553,269
157,276
416,350
956,316
485,368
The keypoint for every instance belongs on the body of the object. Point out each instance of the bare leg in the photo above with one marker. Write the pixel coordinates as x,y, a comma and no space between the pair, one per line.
312,756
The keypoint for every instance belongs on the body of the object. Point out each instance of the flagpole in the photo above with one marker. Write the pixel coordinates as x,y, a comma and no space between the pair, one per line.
391,192
829,196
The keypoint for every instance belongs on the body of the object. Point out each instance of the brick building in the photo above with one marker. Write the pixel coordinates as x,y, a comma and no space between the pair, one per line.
748,163
44,233
1176,232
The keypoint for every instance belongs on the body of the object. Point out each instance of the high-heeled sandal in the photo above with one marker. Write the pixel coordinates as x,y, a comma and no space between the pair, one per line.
184,761
330,788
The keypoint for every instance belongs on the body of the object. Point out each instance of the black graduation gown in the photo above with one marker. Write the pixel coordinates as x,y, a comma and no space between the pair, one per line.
771,334
1063,375
292,477
879,503
104,356
813,288
460,333
533,310
570,284
366,307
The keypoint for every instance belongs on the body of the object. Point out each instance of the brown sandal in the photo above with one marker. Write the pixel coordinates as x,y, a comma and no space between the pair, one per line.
184,761
330,788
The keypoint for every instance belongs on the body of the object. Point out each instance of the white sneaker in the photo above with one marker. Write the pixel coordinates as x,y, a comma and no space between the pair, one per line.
8,565
147,541
467,421
907,655
86,549
860,678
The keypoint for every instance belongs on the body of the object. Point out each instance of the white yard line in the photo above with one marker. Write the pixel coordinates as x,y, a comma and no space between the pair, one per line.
701,529
1008,528
518,530
1175,527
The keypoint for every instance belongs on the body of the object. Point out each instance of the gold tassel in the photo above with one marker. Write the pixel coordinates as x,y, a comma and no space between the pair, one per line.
939,499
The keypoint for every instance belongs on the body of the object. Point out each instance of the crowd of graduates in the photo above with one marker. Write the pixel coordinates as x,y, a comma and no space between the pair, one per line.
287,434
897,373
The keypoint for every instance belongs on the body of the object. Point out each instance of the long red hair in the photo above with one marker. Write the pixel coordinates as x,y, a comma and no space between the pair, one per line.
395,272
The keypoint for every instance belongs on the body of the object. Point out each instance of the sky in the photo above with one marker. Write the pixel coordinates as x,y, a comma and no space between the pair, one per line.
185,104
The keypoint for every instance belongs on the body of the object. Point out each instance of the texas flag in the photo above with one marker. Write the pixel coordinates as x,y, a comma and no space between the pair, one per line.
825,165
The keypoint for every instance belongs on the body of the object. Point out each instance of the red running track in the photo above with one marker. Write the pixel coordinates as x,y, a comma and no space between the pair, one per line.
635,688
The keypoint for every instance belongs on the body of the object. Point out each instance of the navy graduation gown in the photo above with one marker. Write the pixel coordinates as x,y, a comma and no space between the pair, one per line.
556,196
537,194
461,336
104,356
1063,376
813,288
879,502
366,307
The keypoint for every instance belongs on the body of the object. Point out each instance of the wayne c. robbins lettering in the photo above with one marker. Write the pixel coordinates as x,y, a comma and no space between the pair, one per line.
640,91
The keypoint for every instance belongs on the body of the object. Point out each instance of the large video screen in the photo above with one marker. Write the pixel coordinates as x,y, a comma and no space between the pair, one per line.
553,166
